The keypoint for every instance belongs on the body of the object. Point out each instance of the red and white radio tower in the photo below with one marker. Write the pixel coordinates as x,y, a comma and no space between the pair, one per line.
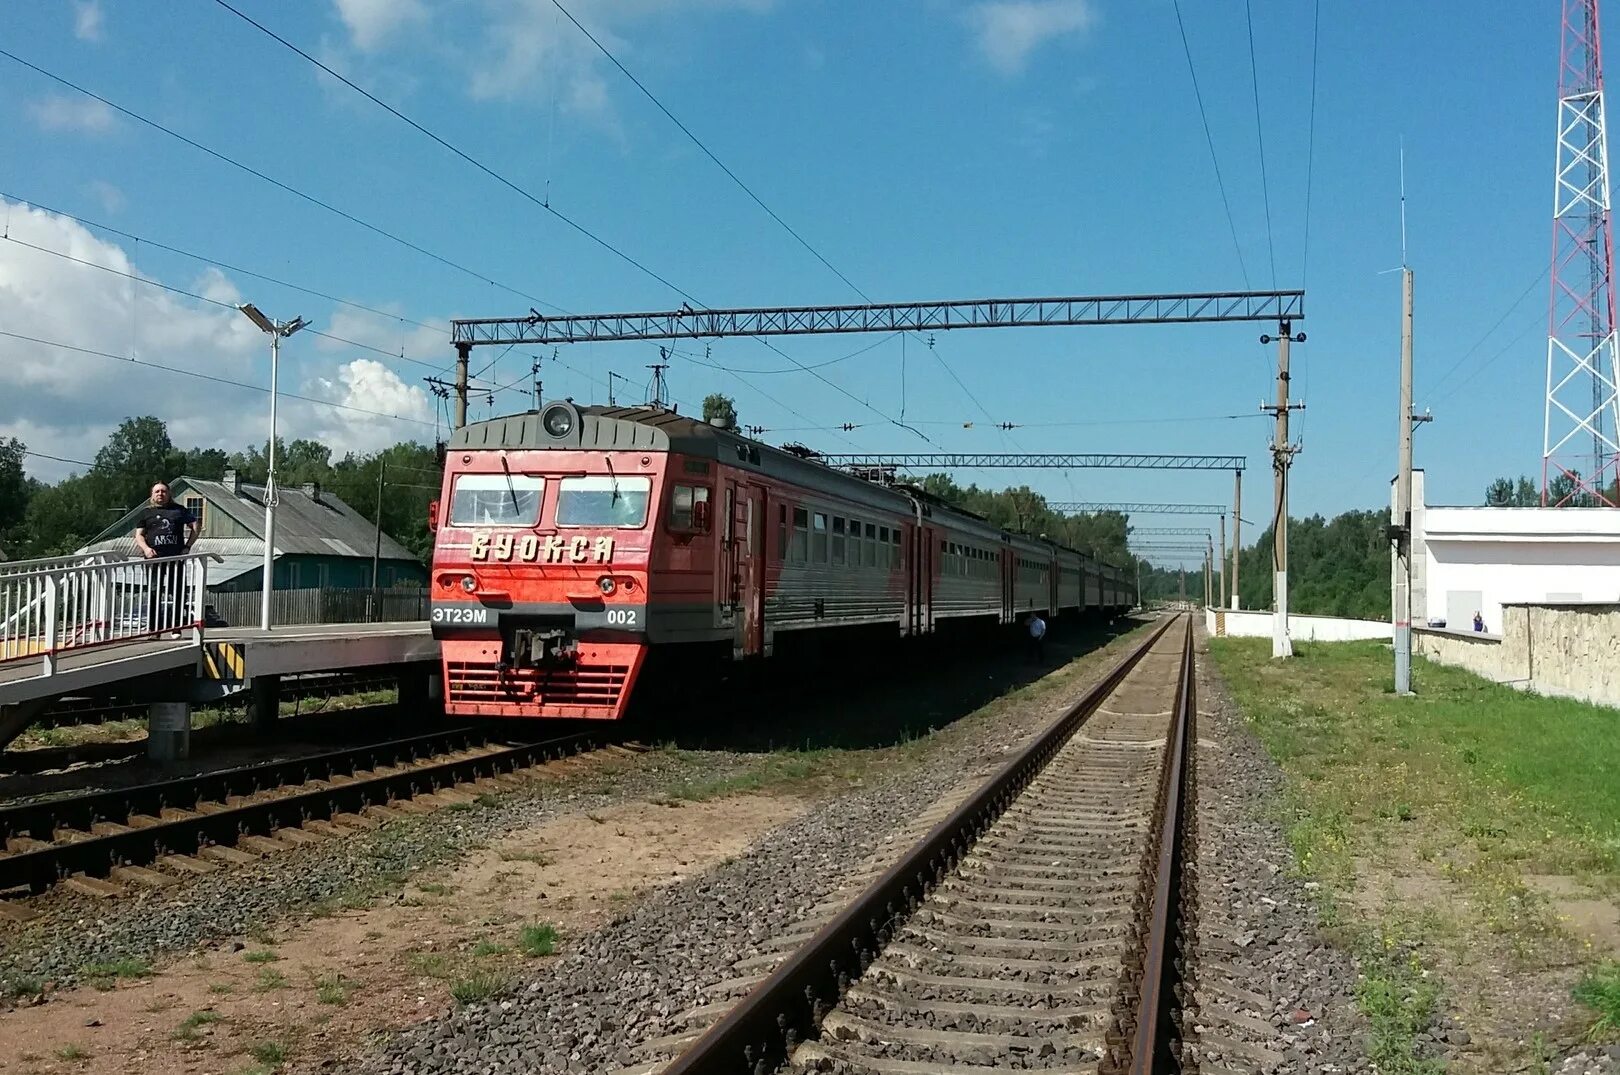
1580,463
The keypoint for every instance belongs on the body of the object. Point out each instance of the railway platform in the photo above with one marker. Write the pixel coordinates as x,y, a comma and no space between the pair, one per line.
82,626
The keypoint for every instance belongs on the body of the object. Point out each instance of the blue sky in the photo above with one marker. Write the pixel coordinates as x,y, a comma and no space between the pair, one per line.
928,149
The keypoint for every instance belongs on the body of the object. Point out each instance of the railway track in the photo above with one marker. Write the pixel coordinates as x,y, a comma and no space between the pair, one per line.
69,711
151,835
1033,928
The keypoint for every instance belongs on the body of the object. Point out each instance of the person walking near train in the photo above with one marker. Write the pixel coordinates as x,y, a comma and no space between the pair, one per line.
164,530
1037,638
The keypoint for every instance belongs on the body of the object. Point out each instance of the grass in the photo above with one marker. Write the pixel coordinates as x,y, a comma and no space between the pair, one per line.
269,1053
770,770
269,979
538,858
1600,991
264,955
72,1052
1422,818
538,940
191,1024
480,985
431,964
433,888
221,987
24,985
104,974
333,989
489,948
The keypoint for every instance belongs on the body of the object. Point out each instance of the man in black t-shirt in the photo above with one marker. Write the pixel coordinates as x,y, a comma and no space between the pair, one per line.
163,530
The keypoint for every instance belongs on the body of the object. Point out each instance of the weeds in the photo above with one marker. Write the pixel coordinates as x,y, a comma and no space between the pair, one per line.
475,987
191,1024
1600,991
433,888
488,948
333,989
432,964
261,956
72,1052
538,940
269,979
269,1053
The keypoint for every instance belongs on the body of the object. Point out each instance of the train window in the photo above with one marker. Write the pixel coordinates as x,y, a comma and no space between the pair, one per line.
838,539
883,548
801,535
684,513
871,545
496,500
603,500
781,532
818,539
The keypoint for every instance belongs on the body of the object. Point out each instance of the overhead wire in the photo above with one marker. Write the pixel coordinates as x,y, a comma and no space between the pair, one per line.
1260,136
218,264
1508,312
1310,142
749,191
1209,139
204,298
544,205
208,377
278,184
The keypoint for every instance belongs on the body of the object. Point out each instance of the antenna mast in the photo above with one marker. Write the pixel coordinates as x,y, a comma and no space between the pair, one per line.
1582,409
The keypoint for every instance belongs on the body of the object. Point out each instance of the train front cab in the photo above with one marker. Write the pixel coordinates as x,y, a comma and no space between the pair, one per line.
540,570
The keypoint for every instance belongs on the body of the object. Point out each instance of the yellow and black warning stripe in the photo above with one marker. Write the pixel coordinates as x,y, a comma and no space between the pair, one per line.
223,660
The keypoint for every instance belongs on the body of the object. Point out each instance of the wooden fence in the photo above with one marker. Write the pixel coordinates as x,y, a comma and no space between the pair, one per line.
359,605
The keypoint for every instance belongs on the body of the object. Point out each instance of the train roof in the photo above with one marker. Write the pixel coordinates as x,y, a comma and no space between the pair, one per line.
658,429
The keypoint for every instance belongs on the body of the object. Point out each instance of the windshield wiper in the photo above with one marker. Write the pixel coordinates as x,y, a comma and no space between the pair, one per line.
517,512
614,478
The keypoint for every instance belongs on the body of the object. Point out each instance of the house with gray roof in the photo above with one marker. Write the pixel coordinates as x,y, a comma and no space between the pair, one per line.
321,542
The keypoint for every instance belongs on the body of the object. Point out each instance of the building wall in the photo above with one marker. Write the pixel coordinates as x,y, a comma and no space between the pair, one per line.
216,524
1506,556
1300,628
1567,651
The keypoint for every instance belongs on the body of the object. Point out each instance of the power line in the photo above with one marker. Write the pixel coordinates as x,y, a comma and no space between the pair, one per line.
278,184
1210,140
203,298
476,163
757,200
208,377
1310,141
1259,133
1488,332
216,263
543,204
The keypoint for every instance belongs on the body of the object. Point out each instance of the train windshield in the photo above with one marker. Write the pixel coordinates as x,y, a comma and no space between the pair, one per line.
496,500
603,500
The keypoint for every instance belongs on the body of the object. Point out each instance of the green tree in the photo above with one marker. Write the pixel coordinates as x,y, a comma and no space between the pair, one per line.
15,491
1508,493
716,405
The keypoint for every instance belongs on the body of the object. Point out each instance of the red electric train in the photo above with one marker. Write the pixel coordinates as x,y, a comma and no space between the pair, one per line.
572,542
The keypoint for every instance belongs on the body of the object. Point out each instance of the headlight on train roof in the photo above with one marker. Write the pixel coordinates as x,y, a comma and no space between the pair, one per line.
558,420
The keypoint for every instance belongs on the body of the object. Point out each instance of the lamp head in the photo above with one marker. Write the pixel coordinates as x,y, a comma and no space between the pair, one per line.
254,315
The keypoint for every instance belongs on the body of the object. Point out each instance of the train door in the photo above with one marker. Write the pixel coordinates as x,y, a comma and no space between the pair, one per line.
922,576
1009,609
745,525
1053,577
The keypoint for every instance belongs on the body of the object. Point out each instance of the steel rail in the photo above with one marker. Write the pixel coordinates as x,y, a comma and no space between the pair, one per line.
763,1029
40,818
1150,1049
40,868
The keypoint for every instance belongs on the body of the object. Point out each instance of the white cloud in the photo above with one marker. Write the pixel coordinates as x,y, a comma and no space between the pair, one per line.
395,336
1010,30
372,22
58,113
87,20
73,399
368,386
111,198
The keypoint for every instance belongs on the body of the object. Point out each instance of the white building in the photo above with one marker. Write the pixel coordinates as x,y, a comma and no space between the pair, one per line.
1468,560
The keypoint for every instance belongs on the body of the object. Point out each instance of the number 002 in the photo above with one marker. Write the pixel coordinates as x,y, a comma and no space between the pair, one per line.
621,617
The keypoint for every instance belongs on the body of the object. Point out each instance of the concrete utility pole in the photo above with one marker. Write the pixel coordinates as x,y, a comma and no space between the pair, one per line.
1401,525
1222,569
463,353
1282,457
1237,533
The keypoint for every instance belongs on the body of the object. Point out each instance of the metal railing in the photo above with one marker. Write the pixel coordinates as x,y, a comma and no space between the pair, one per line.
329,605
74,603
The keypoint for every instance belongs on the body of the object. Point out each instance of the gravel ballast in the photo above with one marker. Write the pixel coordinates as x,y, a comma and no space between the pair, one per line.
628,984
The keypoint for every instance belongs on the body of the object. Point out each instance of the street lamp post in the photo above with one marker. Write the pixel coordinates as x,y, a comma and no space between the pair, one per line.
277,331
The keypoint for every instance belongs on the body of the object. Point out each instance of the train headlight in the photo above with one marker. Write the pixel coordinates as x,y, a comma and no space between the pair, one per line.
469,583
558,420
606,584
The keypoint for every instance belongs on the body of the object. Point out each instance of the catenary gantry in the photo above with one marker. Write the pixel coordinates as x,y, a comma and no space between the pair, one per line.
940,316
